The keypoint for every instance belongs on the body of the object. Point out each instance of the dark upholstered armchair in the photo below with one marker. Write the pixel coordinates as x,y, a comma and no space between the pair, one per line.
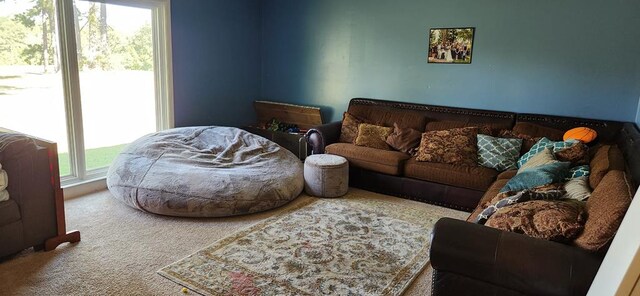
33,216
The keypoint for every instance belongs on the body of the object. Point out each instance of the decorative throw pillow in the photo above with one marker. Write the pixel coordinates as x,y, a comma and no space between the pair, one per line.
577,189
554,220
540,146
455,146
503,199
576,154
542,158
582,134
606,208
577,172
498,153
373,136
537,176
404,139
606,158
349,130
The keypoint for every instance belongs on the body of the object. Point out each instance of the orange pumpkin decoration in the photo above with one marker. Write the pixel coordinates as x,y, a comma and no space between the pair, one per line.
582,134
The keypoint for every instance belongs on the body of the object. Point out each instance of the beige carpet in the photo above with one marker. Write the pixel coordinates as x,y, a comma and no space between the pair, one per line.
122,248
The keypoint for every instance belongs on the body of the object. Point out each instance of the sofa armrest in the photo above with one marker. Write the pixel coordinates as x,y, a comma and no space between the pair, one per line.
323,135
513,261
31,184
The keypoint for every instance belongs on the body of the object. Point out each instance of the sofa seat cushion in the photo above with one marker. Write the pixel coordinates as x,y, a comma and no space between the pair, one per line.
493,190
9,212
471,177
377,160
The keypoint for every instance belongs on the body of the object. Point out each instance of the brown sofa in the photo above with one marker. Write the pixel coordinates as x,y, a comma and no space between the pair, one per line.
34,214
471,259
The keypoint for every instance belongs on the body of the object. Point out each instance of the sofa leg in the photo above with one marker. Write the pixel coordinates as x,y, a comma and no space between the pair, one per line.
70,237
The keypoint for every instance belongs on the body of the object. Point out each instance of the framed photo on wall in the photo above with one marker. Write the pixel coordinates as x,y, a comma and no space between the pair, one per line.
450,45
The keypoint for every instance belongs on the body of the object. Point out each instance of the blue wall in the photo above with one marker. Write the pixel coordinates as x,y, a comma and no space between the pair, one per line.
216,61
573,58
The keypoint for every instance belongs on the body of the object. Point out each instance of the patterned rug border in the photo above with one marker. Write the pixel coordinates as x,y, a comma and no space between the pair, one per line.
400,283
235,235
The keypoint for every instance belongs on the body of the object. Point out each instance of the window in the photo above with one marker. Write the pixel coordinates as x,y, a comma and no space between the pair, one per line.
91,75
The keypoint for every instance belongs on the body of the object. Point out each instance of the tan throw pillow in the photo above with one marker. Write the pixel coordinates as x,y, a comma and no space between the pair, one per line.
606,158
577,154
373,136
578,189
349,130
553,220
541,158
605,208
404,139
454,146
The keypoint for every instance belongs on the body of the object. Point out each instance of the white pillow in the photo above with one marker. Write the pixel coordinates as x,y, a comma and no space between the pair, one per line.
578,189
4,181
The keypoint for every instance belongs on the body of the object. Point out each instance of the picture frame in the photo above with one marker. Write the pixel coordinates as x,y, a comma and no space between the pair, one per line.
450,45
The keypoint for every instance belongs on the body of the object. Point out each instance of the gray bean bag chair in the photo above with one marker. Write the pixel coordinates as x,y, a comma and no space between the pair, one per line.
205,172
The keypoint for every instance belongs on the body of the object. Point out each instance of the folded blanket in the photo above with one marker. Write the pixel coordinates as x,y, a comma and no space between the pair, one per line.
504,199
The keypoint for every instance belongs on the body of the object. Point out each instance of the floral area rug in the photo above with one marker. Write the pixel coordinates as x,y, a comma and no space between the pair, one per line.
347,246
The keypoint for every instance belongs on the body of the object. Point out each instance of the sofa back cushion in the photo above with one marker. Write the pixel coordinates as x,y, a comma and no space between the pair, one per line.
605,210
605,158
490,129
417,115
536,130
388,116
607,130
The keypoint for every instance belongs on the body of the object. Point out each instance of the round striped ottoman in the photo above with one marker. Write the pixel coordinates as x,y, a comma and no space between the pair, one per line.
326,175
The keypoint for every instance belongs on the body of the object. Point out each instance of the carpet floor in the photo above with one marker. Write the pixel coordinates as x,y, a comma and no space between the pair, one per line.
122,248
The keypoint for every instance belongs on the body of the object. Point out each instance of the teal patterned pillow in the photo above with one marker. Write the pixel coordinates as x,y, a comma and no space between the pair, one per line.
541,145
498,153
545,174
578,171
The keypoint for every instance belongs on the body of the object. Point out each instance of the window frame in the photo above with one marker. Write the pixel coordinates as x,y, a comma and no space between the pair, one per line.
163,80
